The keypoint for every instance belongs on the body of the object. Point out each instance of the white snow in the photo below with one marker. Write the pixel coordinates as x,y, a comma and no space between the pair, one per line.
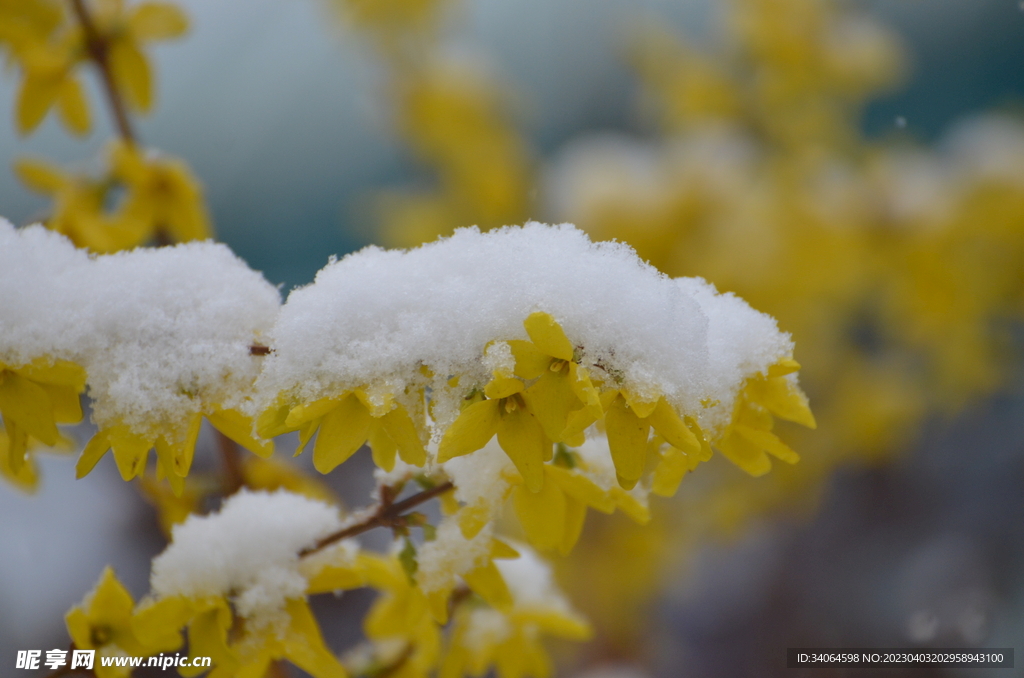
376,317
248,550
162,333
742,342
531,582
450,555
481,478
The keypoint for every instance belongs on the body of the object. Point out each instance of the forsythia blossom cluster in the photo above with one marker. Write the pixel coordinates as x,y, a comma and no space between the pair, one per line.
524,364
153,196
891,263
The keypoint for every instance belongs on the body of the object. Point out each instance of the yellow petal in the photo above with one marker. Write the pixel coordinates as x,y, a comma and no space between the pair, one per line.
768,442
627,440
585,390
547,335
787,401
473,517
402,430
575,514
28,406
783,367
73,108
503,387
130,451
745,454
157,21
631,506
581,488
208,637
39,176
336,578
272,422
158,623
36,96
306,434
642,408
579,421
501,550
110,602
78,626
486,581
13,464
93,452
238,427
705,447
185,449
67,406
17,445
475,426
667,422
530,361
304,645
377,407
165,454
542,515
523,439
302,414
132,74
57,373
562,625
669,473
438,602
382,446
343,431
550,399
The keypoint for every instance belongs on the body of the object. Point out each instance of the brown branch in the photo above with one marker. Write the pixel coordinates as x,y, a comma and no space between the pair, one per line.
277,670
234,479
388,514
99,51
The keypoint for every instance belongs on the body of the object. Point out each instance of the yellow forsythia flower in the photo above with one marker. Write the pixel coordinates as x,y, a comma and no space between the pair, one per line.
78,210
103,621
346,422
34,398
748,437
162,193
126,30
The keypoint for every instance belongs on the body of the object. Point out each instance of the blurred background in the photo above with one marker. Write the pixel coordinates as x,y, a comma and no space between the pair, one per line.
855,169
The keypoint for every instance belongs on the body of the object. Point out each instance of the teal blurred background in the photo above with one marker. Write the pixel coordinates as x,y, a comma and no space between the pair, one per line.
281,113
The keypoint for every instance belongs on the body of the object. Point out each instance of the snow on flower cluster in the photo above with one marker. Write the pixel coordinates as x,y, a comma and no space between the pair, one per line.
154,328
248,550
159,332
525,367
377,317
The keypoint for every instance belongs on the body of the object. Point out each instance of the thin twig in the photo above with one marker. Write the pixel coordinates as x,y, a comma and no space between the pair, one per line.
99,52
234,479
277,670
387,515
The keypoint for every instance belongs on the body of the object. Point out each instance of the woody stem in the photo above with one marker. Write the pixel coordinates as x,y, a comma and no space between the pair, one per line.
387,514
98,48
234,479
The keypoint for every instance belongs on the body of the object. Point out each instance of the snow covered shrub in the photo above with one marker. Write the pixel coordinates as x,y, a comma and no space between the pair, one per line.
524,364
